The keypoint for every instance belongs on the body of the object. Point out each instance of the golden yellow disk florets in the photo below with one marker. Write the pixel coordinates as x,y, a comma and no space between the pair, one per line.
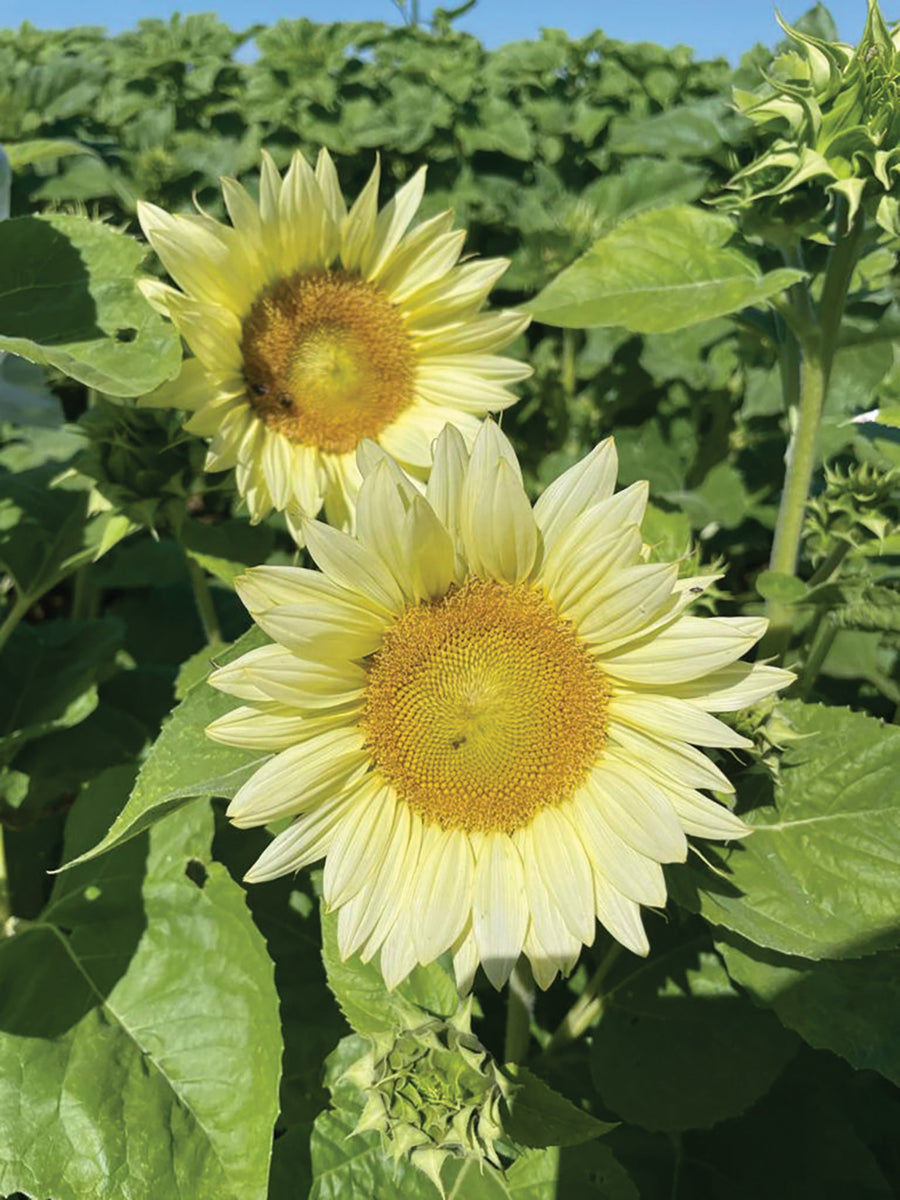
483,707
327,360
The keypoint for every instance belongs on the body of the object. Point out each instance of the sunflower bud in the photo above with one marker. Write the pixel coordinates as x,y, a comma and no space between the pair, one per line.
833,114
141,462
857,505
771,731
433,1093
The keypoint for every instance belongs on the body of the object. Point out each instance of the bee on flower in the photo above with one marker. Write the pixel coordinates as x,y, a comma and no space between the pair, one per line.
314,328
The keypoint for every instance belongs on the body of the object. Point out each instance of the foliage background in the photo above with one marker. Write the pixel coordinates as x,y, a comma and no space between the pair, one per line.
141,956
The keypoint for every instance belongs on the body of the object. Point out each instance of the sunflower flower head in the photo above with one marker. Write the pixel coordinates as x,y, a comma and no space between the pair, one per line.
314,327
485,716
433,1093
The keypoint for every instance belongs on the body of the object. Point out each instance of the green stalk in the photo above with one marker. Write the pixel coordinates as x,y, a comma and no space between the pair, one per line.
5,898
568,373
13,617
817,350
520,1002
587,1008
823,639
828,567
85,600
205,606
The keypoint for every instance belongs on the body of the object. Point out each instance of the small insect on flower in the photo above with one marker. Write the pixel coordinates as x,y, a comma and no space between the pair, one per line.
314,328
484,716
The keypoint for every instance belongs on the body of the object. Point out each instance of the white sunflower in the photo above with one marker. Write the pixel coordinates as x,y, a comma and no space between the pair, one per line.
484,716
314,328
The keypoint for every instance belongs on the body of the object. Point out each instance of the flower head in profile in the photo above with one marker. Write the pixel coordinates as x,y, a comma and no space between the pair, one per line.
485,717
314,328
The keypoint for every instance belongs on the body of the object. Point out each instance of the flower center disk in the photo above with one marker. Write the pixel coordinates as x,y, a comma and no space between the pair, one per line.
484,707
327,360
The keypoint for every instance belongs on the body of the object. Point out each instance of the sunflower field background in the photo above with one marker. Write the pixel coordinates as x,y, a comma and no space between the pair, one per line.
166,1031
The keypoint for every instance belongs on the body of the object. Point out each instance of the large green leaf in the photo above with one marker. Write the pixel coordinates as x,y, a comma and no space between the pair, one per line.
50,675
656,272
679,1048
540,1117
818,877
287,915
184,763
365,1001
805,1140
138,1025
68,300
850,1007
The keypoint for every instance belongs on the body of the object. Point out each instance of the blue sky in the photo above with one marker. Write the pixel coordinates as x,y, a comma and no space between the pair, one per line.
712,27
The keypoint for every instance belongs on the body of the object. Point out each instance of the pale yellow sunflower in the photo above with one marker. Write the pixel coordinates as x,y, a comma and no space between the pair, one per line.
314,328
484,716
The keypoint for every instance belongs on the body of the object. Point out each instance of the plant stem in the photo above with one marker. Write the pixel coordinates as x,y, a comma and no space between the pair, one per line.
13,617
84,596
823,639
568,374
520,1001
205,606
817,350
830,564
587,1008
5,899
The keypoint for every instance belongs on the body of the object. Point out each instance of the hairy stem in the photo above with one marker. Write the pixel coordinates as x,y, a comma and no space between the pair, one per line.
828,567
520,1002
20,607
5,899
587,1008
85,599
823,639
817,350
204,599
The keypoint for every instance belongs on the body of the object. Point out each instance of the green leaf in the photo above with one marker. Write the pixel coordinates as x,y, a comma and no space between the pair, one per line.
46,532
656,272
365,1001
287,915
55,666
225,550
668,534
68,300
184,763
540,1117
586,1172
851,1008
776,585
679,1048
721,499
25,398
23,154
348,1166
138,1024
818,877
687,131
890,416
805,1140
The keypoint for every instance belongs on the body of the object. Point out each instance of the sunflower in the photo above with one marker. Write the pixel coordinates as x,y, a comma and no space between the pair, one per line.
485,717
314,328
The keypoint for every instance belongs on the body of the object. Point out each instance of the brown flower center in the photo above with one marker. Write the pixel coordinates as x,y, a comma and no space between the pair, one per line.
327,360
